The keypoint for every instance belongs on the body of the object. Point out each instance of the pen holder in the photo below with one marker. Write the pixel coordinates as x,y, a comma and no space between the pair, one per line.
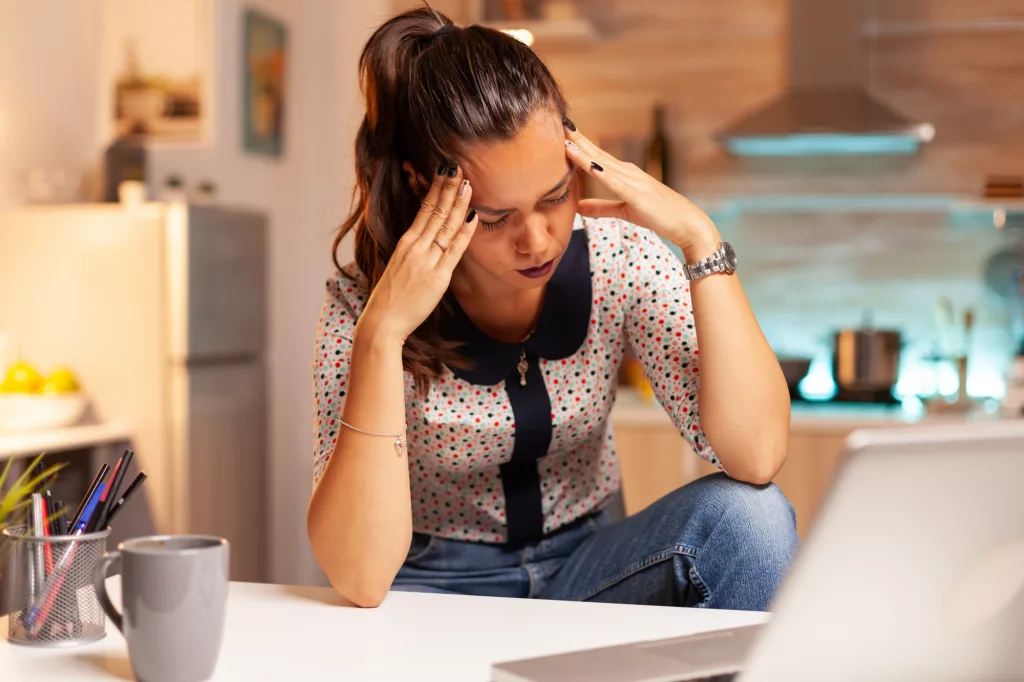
50,586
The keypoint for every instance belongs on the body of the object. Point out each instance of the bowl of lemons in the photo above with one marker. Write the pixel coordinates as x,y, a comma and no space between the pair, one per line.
31,400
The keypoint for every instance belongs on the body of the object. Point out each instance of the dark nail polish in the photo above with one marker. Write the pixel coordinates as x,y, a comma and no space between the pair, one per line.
453,170
442,168
596,166
470,215
568,123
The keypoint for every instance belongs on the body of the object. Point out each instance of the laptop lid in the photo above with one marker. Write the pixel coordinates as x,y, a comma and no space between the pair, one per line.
914,569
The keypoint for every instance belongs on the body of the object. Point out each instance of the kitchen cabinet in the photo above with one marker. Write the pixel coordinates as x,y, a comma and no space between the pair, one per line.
654,459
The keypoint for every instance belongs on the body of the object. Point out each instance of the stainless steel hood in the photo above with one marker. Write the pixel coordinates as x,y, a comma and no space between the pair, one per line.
827,109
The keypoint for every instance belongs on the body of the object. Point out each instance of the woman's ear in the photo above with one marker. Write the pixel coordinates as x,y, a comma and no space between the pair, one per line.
417,182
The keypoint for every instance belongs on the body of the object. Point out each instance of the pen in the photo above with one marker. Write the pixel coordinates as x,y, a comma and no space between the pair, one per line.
100,475
38,530
124,498
41,605
110,496
47,532
49,515
89,511
61,522
106,494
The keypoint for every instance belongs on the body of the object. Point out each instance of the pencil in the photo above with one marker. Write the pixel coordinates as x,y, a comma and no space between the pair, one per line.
124,498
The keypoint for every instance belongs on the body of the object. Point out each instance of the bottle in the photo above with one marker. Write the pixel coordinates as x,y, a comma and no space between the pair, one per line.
657,162
1012,406
125,161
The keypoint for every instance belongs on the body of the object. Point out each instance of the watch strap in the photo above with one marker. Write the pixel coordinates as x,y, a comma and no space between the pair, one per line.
707,266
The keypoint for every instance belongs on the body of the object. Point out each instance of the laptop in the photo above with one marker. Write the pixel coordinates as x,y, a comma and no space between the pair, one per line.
914,570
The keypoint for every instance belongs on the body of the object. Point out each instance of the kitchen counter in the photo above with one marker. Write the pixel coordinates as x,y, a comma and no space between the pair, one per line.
35,442
654,459
805,417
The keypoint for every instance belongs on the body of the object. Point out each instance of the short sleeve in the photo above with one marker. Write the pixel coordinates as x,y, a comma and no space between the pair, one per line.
330,369
660,328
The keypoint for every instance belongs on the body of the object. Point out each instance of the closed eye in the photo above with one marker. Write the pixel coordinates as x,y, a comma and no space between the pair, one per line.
496,224
547,202
559,200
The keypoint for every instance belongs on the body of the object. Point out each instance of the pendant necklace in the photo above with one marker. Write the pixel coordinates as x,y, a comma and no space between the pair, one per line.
523,364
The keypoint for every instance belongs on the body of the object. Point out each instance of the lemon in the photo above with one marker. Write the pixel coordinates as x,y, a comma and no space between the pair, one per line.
61,380
21,377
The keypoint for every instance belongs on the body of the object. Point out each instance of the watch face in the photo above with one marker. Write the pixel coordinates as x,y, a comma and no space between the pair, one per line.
729,255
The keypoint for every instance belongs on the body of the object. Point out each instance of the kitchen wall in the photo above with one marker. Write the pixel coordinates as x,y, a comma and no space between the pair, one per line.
306,194
53,107
807,274
955,64
49,89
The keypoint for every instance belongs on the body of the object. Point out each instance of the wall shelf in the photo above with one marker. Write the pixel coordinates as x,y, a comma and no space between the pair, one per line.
1008,211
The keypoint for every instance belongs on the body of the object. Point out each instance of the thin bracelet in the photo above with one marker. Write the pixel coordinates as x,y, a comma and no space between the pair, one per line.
400,442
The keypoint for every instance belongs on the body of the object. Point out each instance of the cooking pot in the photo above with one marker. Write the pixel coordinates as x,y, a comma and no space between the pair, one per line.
866,359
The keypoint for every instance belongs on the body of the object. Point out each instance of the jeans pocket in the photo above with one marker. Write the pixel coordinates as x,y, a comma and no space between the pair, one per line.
421,547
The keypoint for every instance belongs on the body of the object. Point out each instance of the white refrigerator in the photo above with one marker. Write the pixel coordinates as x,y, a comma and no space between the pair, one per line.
161,310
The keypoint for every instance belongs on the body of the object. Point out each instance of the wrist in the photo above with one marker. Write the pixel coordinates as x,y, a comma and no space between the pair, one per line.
378,330
701,246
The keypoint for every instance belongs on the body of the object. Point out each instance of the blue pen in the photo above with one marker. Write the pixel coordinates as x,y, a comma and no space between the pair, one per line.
56,576
90,509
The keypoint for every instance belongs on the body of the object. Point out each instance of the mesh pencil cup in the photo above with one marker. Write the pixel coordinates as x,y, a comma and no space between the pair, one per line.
50,586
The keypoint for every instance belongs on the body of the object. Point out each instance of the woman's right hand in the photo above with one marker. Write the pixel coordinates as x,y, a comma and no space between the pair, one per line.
420,270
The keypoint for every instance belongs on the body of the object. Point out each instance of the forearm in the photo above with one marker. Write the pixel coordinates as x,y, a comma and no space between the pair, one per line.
743,398
359,519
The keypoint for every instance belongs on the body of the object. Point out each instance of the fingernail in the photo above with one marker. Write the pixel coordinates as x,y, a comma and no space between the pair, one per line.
442,168
571,145
470,215
463,186
596,166
568,123
453,170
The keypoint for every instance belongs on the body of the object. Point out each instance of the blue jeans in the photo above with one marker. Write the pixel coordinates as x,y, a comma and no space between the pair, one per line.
715,543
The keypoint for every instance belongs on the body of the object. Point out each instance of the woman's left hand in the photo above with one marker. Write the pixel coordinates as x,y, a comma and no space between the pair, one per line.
643,200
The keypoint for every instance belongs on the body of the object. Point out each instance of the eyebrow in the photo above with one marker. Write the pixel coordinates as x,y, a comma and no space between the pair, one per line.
560,185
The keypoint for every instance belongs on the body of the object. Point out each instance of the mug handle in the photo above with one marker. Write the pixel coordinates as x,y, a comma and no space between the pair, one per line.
100,584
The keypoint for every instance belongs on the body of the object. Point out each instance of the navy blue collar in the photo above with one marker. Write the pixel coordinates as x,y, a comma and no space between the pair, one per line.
561,328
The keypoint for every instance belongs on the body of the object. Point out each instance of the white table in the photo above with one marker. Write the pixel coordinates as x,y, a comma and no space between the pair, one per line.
276,632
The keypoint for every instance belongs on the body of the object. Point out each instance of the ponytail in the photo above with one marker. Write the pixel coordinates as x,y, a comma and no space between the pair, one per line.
431,90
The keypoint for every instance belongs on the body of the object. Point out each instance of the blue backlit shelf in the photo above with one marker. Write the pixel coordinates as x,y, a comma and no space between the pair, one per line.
962,211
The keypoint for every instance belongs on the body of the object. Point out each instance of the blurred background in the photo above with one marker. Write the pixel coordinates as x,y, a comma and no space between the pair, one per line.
172,171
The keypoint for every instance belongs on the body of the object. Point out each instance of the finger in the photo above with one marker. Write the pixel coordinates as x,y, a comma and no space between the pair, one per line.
610,176
593,152
601,208
456,216
460,242
445,204
430,202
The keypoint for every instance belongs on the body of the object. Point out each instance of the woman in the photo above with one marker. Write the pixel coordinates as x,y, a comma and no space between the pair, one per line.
466,362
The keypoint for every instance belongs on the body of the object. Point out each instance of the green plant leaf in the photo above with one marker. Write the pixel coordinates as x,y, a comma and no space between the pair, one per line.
19,493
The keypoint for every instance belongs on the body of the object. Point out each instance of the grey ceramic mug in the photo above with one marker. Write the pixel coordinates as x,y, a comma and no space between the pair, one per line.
174,591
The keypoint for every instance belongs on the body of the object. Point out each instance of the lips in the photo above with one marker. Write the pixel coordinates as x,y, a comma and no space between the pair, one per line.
539,271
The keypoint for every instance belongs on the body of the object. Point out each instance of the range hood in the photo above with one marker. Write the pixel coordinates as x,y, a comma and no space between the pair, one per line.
827,109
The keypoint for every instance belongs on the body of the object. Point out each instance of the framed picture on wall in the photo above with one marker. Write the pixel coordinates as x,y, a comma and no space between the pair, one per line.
265,47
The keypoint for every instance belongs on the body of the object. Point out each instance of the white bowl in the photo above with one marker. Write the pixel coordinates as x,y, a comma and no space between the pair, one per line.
23,412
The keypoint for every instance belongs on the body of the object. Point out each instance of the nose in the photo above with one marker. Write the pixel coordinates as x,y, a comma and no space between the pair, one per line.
535,237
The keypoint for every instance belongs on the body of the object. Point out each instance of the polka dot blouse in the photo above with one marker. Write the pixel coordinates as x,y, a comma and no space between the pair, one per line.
520,444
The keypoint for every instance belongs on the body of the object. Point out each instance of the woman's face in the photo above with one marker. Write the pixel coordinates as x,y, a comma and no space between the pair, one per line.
525,192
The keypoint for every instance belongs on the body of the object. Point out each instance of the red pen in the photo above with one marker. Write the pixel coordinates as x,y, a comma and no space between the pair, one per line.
94,521
47,547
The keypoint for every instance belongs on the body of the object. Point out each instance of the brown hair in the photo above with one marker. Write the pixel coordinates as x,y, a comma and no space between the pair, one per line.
429,95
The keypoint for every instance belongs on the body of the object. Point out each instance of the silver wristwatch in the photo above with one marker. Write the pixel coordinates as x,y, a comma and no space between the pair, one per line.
722,260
